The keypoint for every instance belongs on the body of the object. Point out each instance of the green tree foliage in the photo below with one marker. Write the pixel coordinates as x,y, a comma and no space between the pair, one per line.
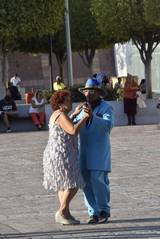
152,11
43,44
21,19
121,20
85,35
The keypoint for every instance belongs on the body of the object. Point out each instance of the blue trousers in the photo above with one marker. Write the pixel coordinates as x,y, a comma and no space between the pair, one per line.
96,191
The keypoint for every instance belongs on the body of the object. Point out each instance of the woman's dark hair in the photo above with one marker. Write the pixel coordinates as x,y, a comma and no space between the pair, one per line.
38,92
58,98
143,81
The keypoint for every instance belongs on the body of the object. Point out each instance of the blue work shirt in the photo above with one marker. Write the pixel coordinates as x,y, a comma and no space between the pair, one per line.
95,149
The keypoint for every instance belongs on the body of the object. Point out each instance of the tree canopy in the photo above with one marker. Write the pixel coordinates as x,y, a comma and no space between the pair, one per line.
85,35
22,20
31,18
122,20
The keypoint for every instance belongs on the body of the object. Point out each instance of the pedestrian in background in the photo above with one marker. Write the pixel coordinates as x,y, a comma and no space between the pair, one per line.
15,80
130,99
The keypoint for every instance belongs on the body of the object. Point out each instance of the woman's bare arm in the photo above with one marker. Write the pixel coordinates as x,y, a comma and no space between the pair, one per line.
67,125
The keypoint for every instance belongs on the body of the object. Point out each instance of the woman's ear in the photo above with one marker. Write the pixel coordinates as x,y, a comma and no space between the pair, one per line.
60,107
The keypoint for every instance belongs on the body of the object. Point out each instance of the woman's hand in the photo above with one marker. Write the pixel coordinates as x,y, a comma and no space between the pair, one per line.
87,111
78,109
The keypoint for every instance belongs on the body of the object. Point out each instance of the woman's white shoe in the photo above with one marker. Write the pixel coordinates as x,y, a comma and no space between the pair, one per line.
62,220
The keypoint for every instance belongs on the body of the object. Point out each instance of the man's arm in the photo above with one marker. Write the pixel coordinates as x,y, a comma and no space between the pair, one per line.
104,120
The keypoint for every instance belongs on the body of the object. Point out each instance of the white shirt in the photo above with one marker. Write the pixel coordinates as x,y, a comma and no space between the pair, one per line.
15,80
37,110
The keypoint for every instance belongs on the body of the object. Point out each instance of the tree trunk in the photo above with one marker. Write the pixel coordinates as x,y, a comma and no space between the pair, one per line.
87,57
2,87
3,72
146,47
5,69
60,65
60,60
90,67
61,70
147,65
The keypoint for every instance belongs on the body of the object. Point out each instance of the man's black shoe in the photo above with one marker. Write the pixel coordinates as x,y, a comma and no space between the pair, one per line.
103,217
93,219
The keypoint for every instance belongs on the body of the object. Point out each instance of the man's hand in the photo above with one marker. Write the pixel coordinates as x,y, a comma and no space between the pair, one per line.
77,110
87,109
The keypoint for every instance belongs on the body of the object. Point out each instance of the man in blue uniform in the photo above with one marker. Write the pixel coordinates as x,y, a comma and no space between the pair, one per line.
95,152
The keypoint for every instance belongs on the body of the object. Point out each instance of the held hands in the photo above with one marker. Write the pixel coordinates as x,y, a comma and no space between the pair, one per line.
87,111
78,109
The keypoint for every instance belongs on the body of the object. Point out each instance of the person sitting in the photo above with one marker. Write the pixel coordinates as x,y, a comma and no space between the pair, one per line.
8,109
37,109
58,85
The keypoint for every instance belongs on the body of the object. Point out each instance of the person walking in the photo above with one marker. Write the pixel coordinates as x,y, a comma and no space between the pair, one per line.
60,159
95,152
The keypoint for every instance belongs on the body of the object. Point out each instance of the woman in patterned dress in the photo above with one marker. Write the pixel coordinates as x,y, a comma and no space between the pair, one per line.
60,163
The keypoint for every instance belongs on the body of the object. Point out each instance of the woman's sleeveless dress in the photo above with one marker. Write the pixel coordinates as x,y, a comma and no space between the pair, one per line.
60,162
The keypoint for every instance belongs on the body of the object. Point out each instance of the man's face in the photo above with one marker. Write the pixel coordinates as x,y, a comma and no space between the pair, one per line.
91,95
59,80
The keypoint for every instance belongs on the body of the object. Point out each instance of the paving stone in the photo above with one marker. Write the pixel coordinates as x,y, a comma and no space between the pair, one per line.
27,210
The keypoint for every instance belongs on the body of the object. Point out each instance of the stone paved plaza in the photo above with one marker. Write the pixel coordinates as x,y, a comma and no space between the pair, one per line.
27,210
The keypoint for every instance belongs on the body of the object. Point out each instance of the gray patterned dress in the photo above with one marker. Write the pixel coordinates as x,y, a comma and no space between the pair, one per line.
60,164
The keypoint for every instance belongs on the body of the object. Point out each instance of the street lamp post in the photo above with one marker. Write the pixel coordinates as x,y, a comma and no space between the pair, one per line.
51,63
68,43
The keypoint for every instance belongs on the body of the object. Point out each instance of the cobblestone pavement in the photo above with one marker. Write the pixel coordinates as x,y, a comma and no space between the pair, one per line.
27,210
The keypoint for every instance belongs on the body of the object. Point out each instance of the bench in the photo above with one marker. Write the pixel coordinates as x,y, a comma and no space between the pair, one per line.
148,115
22,122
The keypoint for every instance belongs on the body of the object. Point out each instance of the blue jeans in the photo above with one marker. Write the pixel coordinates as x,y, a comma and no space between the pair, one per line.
96,191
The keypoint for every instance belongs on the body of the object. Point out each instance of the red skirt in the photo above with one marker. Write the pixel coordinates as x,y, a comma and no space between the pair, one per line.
130,106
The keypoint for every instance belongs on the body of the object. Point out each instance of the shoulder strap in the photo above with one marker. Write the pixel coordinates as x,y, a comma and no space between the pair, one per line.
57,117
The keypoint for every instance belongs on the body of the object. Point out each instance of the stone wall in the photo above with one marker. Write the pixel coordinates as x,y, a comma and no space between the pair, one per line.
34,69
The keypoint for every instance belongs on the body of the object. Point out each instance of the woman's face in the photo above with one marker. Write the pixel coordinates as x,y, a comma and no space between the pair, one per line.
39,95
67,105
129,79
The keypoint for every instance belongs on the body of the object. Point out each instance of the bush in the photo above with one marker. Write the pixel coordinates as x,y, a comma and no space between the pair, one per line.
47,95
111,94
77,96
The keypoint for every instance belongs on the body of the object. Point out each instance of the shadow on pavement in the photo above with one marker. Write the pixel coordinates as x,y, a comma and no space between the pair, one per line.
96,231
